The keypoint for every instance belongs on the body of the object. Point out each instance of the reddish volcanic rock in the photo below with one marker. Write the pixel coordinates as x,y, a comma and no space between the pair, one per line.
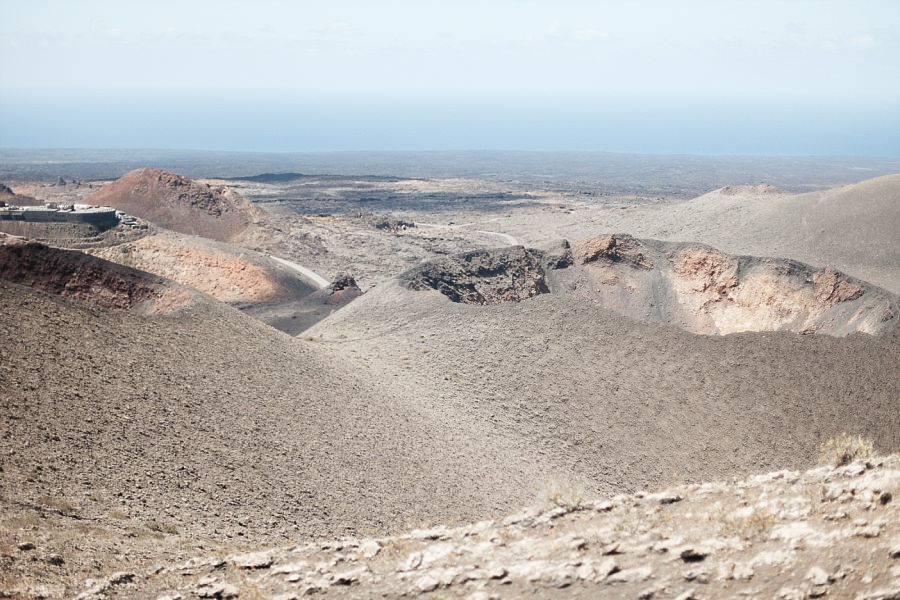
180,204
87,279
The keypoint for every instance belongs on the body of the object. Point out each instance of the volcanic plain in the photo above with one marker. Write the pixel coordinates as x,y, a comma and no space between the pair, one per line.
278,384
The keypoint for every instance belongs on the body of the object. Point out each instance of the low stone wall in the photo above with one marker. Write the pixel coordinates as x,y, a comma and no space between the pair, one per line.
49,231
102,219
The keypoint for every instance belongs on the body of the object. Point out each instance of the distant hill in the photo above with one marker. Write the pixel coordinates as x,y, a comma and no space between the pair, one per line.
180,204
8,196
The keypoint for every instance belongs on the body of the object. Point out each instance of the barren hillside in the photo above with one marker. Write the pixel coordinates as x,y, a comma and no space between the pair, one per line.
90,280
179,204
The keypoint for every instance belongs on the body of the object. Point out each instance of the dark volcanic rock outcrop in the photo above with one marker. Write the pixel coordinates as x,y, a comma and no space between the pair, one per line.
484,276
180,204
342,290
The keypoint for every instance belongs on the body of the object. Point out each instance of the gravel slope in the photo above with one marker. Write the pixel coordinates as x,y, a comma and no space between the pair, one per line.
223,428
618,404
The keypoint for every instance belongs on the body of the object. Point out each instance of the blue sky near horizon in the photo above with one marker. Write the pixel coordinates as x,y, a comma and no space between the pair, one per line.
706,77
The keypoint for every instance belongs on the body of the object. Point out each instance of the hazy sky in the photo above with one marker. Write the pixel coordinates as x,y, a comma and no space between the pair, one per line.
716,76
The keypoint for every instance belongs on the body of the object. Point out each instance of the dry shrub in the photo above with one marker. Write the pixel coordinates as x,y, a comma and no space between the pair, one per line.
562,492
844,449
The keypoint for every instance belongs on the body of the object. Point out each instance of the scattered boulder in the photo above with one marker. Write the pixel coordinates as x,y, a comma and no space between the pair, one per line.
342,290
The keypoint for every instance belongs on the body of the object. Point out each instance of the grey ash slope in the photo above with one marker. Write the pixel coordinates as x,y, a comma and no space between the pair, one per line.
219,426
621,404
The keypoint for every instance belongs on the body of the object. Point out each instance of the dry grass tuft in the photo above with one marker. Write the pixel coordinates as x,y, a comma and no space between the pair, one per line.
844,449
562,492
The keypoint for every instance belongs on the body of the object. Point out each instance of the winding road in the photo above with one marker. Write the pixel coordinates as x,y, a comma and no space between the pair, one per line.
308,273
506,237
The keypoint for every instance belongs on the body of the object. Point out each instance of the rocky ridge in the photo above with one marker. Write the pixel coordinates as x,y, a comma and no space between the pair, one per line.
829,531
74,275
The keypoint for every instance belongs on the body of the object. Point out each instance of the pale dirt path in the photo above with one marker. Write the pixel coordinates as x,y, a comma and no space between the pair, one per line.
320,281
512,241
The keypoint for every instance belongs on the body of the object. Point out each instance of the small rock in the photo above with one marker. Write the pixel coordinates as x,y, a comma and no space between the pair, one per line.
25,546
312,588
427,584
895,549
602,506
217,590
435,533
56,560
413,562
688,595
605,568
252,560
692,554
349,577
870,531
635,575
174,596
120,578
370,548
818,576
670,499
817,591
489,572
576,543
837,516
294,567
698,576
730,570
612,548
885,497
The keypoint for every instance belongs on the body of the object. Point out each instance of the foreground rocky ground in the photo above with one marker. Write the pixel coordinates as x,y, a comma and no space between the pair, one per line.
827,532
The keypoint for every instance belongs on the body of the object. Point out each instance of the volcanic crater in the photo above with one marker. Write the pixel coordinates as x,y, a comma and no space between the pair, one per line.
692,286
